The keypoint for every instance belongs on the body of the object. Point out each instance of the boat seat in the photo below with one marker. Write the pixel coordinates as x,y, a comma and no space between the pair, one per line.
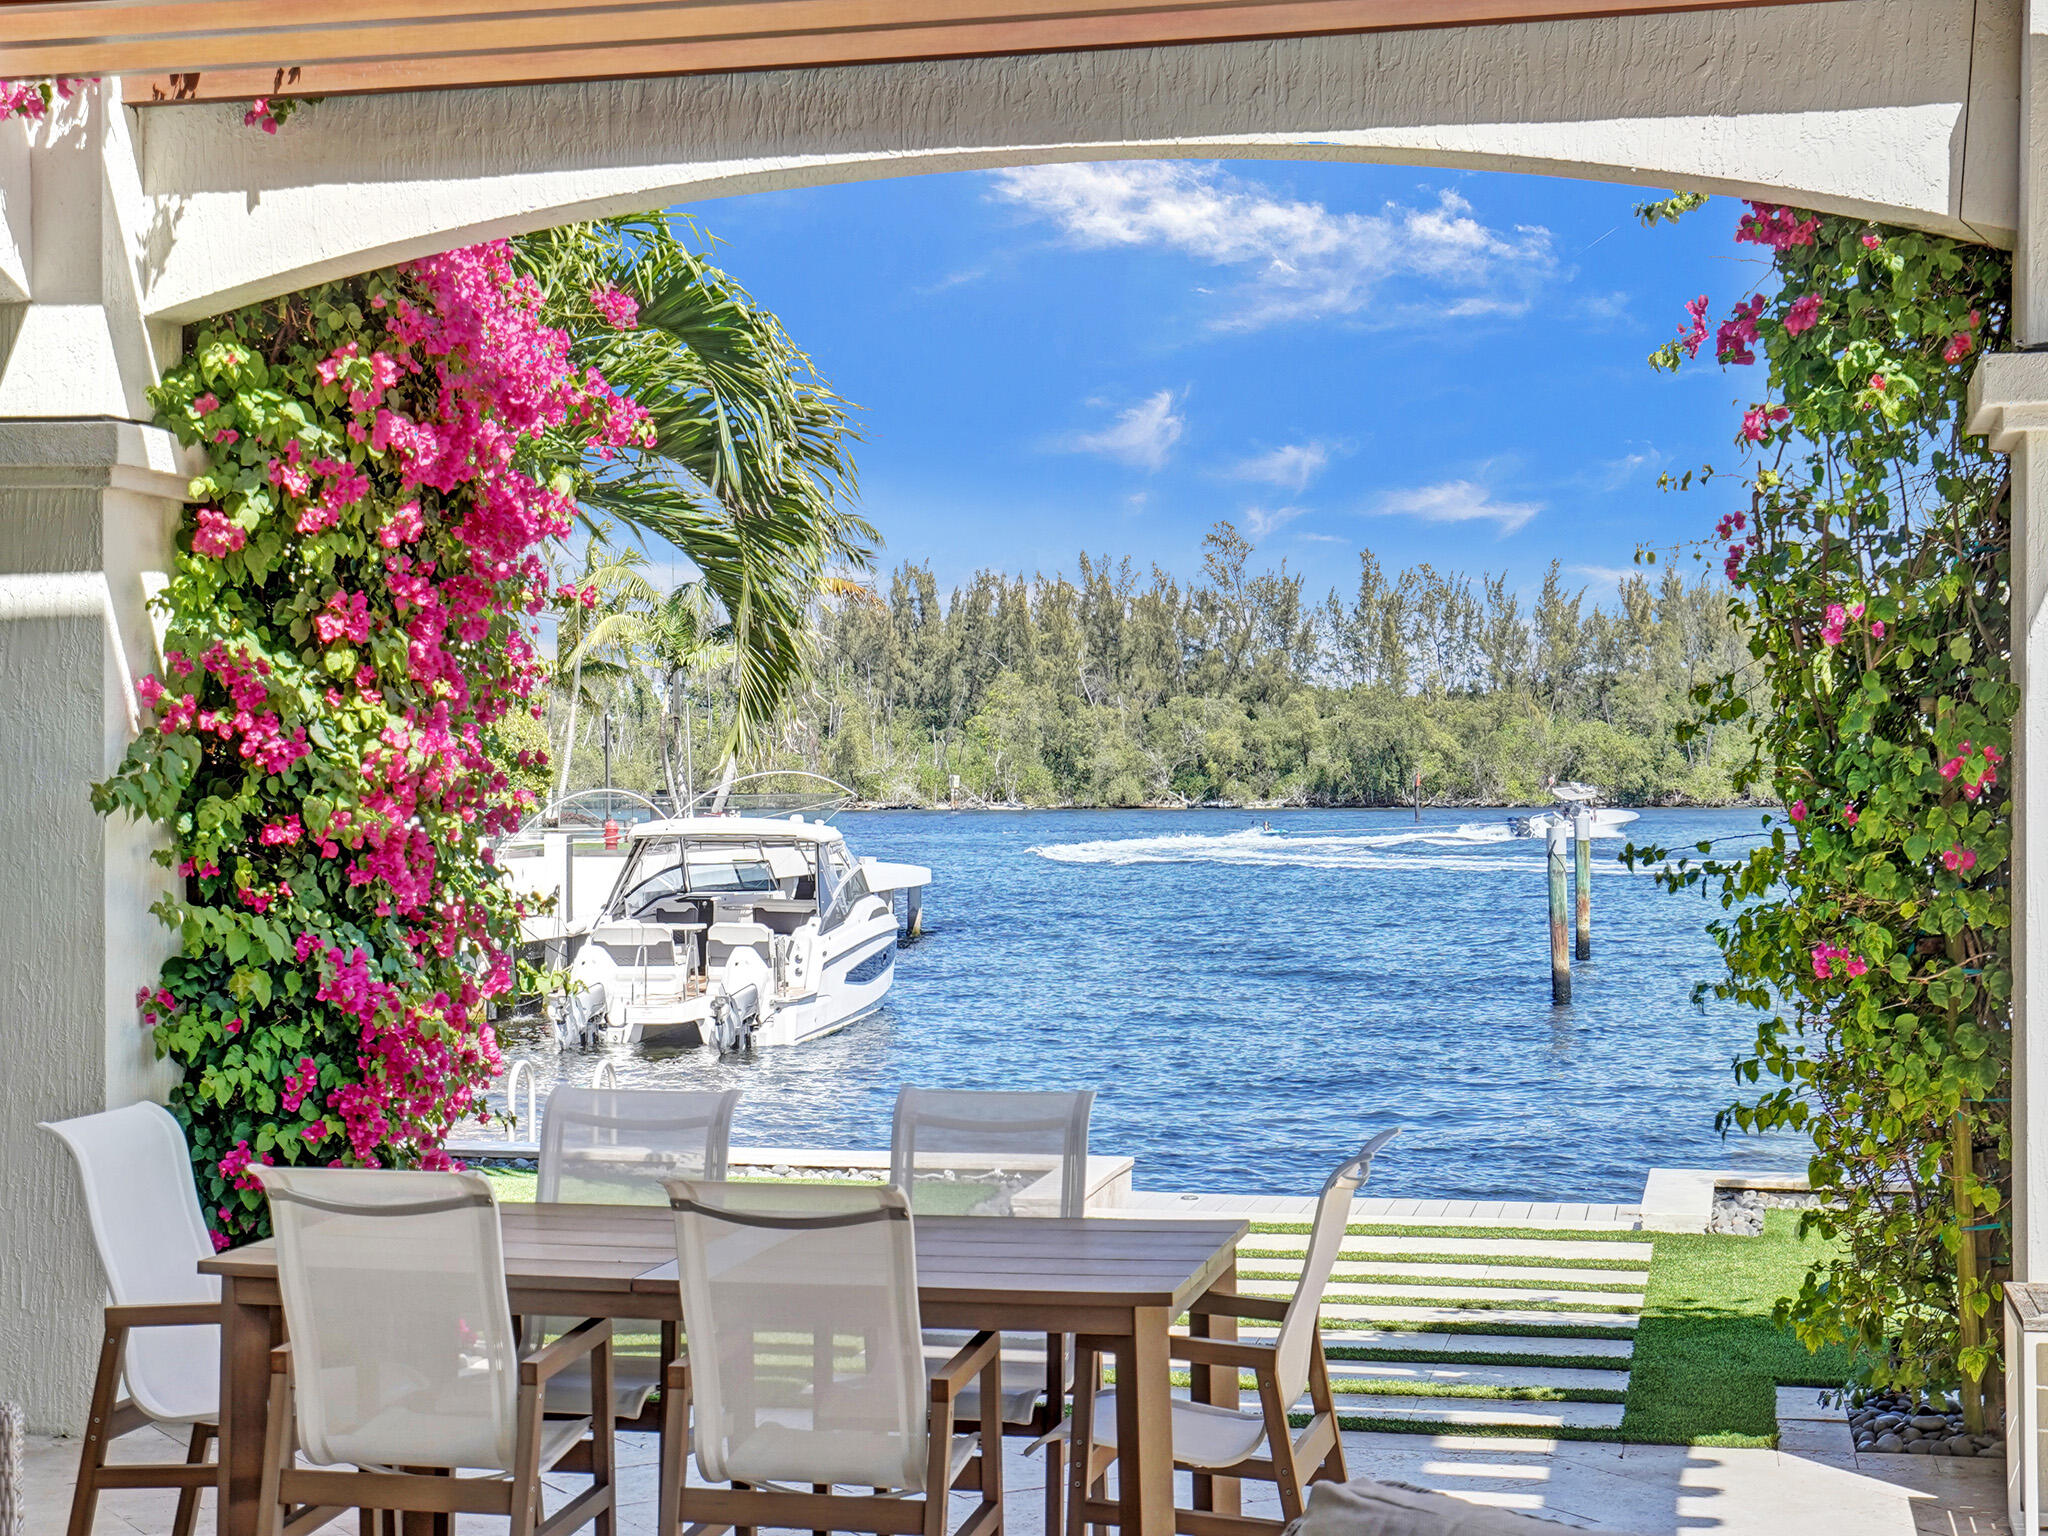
721,939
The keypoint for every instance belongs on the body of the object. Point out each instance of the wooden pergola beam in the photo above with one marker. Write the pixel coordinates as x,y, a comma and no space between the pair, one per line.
226,50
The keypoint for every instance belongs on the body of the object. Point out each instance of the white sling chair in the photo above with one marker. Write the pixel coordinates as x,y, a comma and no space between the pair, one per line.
403,1362
1217,1441
617,1146
806,1370
162,1338
975,1152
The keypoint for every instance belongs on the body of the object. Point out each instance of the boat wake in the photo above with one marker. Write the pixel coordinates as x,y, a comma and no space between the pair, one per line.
1478,847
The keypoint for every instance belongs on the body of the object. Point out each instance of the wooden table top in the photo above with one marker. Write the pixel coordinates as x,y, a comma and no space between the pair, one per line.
1098,1262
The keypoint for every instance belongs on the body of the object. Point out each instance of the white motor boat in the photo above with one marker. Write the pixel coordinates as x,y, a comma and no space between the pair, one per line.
1572,798
736,931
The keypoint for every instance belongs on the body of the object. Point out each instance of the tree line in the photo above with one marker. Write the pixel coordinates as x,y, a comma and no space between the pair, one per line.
1106,688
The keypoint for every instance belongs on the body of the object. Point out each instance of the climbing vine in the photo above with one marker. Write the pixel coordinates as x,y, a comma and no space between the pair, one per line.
345,651
1870,925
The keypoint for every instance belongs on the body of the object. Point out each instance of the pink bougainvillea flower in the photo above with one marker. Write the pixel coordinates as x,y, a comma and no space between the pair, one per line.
1797,810
1877,382
1735,342
1849,815
619,309
1871,242
215,535
1877,629
206,404
1694,330
1959,347
1856,965
1959,860
151,691
1779,228
1759,422
1803,315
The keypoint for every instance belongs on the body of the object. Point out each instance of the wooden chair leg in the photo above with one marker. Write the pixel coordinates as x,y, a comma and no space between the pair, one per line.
188,1498
1080,1438
1055,1486
92,1451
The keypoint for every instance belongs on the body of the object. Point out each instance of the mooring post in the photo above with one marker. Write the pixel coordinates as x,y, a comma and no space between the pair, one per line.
1582,878
1560,948
1418,797
913,912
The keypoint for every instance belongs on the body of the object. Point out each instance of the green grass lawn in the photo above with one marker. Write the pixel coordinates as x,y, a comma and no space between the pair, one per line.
1708,1359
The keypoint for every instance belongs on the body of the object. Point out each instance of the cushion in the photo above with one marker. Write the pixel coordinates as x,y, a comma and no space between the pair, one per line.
1367,1508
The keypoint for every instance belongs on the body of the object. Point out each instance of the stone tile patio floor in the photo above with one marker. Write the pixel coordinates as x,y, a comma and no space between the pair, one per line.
1813,1485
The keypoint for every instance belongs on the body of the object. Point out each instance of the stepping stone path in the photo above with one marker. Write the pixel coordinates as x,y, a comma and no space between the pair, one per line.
1896,1423
1454,1330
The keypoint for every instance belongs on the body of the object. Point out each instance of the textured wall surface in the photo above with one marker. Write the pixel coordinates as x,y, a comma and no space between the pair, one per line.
76,938
1904,109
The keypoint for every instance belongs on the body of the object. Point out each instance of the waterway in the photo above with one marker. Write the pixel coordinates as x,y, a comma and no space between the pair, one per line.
1250,1005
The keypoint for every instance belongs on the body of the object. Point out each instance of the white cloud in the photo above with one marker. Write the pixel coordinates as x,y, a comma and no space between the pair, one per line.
1141,436
1291,467
1302,260
1456,501
1629,469
1321,538
1260,521
1604,575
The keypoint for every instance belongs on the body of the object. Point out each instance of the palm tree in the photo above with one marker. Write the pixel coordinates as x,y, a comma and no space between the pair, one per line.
749,473
588,638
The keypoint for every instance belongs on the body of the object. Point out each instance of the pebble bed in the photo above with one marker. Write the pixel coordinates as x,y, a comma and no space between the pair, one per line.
1740,1212
1892,1422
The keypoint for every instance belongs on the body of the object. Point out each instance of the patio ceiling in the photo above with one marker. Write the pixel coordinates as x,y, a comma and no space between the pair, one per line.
214,50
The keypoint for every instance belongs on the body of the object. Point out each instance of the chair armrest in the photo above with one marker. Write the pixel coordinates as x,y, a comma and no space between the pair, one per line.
551,1360
958,1373
1247,1357
1271,1309
175,1314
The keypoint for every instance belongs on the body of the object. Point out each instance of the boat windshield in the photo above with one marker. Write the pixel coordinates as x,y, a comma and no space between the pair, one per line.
662,867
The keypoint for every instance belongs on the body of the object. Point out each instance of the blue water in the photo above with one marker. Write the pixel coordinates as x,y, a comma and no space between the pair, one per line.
1250,1006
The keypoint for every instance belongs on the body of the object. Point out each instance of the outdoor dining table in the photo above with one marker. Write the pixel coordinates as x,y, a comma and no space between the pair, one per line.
1122,1282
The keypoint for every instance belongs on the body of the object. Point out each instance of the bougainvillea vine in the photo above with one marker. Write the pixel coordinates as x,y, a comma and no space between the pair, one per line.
1871,928
347,640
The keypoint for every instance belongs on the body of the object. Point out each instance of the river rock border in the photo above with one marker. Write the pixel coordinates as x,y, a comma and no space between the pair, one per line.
1895,1423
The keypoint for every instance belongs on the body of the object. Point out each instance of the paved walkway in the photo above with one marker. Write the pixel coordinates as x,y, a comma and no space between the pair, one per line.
1648,1490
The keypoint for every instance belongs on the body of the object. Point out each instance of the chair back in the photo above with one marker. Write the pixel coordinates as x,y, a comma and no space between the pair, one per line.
139,1195
403,1352
1005,1152
617,1146
800,1305
1304,1312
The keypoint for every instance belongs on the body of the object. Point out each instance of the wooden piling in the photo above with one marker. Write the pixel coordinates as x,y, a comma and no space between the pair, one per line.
1560,947
1582,878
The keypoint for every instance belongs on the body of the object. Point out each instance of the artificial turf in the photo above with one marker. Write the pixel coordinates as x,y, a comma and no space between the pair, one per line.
1708,1359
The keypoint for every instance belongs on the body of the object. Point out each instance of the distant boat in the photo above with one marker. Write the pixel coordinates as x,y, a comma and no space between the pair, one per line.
1572,797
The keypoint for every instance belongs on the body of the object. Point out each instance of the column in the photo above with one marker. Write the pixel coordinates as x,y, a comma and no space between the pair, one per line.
89,500
2009,405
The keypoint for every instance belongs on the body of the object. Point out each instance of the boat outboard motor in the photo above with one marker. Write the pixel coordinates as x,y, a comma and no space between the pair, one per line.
740,1001
582,1018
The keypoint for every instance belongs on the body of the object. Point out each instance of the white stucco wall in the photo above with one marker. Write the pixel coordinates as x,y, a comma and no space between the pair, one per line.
1899,109
79,531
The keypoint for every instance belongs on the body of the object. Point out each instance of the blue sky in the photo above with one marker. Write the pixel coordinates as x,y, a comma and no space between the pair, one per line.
1441,367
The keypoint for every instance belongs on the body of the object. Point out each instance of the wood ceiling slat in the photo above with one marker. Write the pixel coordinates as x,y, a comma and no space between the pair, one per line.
239,48
502,31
